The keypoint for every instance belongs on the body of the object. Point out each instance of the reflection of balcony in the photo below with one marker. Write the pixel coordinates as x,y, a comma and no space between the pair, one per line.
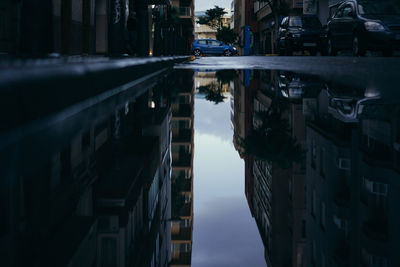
185,258
183,136
186,210
185,12
183,162
183,110
185,233
376,230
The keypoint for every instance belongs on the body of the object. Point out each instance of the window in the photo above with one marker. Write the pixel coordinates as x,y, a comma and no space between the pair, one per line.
347,10
202,42
344,164
378,261
376,188
108,252
322,161
314,251
313,202
215,43
339,13
313,153
341,223
303,229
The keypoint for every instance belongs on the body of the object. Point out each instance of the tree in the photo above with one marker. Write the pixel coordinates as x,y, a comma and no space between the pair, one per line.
213,18
226,35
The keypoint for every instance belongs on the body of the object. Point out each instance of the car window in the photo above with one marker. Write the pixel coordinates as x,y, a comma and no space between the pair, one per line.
347,10
212,42
295,22
305,22
311,22
202,42
284,22
339,13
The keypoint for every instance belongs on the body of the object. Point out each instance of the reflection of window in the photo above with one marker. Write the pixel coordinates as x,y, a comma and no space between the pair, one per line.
314,251
313,202
323,214
344,164
378,261
341,223
322,161
108,252
375,187
313,153
4,208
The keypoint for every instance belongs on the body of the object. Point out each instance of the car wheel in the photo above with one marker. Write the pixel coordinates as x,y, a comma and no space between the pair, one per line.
197,52
227,53
330,48
358,49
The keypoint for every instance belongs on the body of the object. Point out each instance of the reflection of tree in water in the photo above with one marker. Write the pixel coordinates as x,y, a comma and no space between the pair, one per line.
271,140
214,90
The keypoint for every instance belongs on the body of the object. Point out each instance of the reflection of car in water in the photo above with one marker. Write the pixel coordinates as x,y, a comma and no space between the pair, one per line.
295,86
348,103
211,46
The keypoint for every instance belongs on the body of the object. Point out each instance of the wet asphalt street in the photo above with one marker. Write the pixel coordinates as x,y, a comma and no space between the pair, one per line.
358,71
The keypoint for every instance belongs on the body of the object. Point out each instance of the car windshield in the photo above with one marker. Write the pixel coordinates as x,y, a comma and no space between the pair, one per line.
305,22
373,7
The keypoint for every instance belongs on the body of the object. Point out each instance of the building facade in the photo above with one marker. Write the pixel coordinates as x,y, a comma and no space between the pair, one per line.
80,27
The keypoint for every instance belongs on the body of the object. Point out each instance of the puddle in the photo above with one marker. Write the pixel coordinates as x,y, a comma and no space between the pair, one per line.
208,168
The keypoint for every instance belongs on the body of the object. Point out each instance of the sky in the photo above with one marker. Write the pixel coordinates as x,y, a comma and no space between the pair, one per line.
224,234
203,5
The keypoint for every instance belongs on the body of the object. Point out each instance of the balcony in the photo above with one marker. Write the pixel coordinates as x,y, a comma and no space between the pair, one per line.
182,162
185,12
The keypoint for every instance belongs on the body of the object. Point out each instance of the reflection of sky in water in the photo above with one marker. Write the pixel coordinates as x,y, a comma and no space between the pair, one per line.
224,234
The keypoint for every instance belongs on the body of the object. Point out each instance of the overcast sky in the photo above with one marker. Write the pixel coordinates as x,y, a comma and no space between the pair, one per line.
224,233
203,5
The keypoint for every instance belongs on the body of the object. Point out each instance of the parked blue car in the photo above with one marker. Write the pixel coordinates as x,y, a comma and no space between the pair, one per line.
211,46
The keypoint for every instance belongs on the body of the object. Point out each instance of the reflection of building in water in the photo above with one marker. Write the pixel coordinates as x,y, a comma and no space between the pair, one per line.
353,174
91,190
182,170
276,194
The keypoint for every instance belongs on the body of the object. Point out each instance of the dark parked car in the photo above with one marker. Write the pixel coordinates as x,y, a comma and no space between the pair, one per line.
361,25
300,33
211,46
